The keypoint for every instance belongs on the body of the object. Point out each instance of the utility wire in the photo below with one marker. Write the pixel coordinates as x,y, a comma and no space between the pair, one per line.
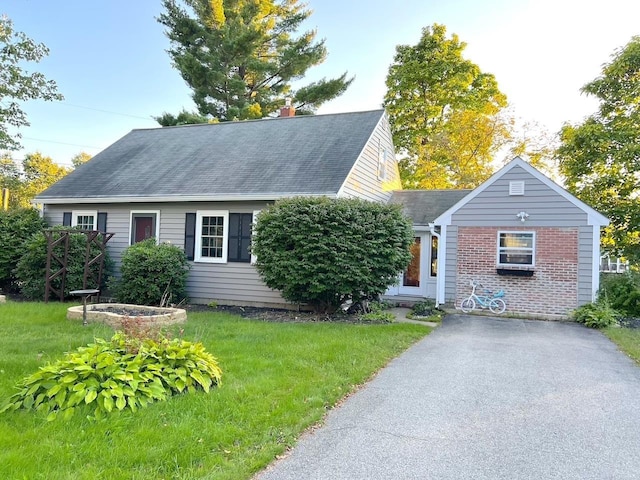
61,143
107,111
85,108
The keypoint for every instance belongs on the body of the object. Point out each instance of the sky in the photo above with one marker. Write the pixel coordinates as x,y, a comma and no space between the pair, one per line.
109,58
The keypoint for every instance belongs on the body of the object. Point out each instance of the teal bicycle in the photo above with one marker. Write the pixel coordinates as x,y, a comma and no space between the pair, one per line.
490,300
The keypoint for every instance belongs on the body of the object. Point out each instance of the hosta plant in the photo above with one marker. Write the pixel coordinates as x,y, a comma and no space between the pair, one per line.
122,373
596,315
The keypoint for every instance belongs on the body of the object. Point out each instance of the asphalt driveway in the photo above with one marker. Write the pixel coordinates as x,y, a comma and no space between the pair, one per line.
485,398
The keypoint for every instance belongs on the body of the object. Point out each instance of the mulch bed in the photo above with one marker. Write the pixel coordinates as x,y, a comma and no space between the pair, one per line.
630,322
130,312
278,315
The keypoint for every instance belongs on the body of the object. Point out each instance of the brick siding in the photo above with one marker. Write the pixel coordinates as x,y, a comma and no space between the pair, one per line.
553,288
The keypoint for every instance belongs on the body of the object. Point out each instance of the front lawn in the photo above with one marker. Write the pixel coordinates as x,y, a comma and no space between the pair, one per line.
278,379
627,339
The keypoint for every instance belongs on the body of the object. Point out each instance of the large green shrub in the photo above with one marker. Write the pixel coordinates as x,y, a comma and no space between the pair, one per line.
152,274
125,372
325,251
31,268
16,226
621,291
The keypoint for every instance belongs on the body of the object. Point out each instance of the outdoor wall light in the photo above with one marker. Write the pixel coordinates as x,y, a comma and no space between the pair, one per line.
522,216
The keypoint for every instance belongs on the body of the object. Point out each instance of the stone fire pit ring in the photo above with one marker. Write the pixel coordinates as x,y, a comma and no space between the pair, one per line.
112,314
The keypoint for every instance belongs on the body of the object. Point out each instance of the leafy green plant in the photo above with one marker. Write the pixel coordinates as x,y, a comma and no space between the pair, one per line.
325,251
381,316
596,315
424,308
152,274
622,291
125,372
31,268
16,226
377,312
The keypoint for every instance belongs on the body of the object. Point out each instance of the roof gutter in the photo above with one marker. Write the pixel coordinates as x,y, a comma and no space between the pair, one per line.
176,198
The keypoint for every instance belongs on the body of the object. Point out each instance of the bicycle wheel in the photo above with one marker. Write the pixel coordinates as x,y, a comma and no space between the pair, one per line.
468,304
497,305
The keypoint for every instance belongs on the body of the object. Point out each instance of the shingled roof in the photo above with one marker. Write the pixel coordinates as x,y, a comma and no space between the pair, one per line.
424,206
305,155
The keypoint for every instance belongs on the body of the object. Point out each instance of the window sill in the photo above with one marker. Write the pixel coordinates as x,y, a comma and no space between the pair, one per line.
515,272
209,260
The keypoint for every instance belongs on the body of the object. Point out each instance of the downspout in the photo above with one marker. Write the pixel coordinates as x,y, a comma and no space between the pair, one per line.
432,230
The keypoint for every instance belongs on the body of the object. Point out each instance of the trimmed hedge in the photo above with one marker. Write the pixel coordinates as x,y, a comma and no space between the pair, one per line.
325,251
152,273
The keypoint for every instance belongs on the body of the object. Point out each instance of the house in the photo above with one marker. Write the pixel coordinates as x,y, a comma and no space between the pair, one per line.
200,186
518,231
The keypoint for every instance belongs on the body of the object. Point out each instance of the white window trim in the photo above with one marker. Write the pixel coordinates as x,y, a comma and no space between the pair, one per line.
254,259
76,213
135,212
198,240
505,249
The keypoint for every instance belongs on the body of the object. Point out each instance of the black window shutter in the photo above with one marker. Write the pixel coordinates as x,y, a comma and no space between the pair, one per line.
233,237
102,222
66,219
190,235
239,237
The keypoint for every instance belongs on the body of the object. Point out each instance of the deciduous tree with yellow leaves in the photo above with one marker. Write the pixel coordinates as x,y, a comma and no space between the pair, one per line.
445,113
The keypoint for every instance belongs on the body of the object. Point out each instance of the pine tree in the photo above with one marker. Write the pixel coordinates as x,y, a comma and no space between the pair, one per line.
240,57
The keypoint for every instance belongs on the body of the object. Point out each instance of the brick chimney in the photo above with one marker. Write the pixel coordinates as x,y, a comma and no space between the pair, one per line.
287,110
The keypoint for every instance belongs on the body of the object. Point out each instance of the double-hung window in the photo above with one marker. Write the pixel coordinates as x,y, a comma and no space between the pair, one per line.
218,236
84,220
211,236
516,249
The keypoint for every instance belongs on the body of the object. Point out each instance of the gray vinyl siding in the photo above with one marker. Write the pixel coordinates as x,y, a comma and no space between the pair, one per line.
363,181
495,207
232,282
585,264
53,215
451,263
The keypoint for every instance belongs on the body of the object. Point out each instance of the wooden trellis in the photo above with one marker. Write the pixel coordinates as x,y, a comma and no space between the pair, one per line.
57,266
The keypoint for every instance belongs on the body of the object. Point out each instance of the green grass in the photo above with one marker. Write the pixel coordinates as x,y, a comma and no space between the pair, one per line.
278,379
627,339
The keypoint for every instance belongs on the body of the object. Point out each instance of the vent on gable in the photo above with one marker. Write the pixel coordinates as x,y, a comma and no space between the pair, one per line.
516,188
